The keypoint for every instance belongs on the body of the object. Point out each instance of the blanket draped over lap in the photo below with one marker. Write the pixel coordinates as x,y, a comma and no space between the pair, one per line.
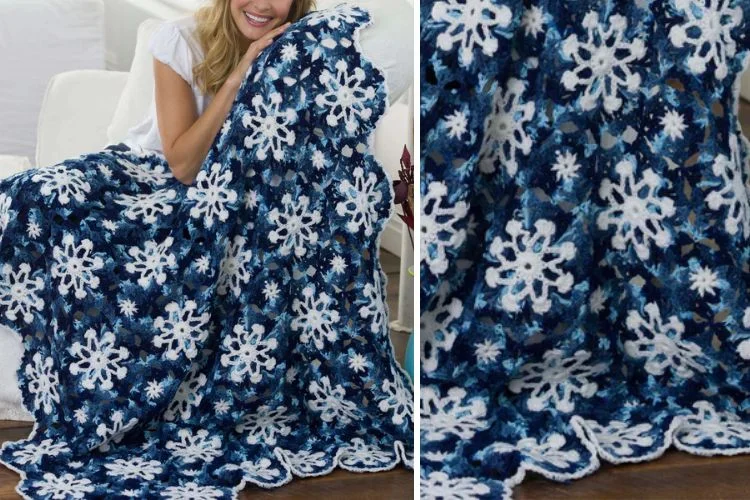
584,274
181,341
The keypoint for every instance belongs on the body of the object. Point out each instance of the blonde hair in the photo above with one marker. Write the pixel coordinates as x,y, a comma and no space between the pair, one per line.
220,40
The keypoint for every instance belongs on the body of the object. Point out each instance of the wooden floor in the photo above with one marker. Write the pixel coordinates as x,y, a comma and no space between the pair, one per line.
676,475
396,484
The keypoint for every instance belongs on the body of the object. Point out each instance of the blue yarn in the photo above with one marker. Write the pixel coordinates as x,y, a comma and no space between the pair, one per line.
584,270
242,318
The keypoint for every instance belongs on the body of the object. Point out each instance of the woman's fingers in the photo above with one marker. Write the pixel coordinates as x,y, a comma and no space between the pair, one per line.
264,41
276,31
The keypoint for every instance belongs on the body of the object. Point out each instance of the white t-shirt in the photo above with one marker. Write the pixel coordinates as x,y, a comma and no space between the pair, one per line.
173,43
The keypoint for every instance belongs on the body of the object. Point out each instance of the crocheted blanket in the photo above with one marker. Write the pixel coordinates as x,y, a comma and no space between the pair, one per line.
184,340
585,270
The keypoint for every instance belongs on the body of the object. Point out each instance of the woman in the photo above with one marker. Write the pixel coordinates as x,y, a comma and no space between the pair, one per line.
227,37
193,326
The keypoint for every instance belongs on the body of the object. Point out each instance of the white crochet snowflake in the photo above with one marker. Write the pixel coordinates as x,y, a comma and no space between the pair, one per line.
397,398
212,194
116,433
128,307
600,66
196,447
260,470
338,264
359,454
333,18
134,468
63,486
188,395
436,330
709,30
662,344
181,329
315,317
456,124
542,454
734,192
100,361
504,134
289,52
597,300
452,415
529,266
619,439
470,25
439,231
5,211
362,197
154,390
374,304
636,210
440,486
743,349
233,270
147,206
43,382
331,402
294,225
718,427
269,127
191,491
487,351
566,166
266,425
704,281
673,123
19,292
64,181
318,159
248,353
74,265
556,379
156,175
33,229
151,262
32,453
305,462
345,96
532,21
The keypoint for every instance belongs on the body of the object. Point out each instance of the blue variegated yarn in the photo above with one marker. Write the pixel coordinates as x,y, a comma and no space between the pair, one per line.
182,341
585,225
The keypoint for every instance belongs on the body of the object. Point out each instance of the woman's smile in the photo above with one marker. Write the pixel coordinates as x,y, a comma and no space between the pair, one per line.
257,21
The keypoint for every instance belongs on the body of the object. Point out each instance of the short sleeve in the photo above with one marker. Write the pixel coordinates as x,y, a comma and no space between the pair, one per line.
169,46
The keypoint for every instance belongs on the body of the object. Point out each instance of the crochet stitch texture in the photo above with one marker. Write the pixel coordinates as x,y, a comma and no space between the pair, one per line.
182,341
585,224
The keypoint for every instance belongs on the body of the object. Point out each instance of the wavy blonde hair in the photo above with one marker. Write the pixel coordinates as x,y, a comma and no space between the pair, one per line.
220,40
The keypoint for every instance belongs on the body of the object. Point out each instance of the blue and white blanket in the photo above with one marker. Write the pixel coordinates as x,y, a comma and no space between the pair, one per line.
181,341
585,275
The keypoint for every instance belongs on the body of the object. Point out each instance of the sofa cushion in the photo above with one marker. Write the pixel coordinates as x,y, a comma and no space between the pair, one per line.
135,99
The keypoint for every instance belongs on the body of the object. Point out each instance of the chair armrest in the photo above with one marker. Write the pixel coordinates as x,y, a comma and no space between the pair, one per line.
76,111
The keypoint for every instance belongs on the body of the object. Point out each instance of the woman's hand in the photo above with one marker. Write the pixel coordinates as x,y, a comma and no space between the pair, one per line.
255,48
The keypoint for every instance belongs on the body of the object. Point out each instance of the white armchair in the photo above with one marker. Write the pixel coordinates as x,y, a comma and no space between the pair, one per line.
76,110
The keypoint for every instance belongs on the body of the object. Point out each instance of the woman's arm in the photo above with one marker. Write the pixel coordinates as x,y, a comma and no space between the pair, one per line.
185,136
